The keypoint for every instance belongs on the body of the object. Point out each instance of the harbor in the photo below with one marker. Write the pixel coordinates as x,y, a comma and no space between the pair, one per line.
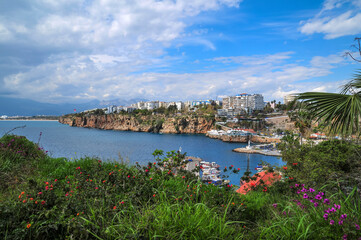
264,149
209,171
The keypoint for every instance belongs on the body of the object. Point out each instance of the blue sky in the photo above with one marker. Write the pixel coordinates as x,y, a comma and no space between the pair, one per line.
77,51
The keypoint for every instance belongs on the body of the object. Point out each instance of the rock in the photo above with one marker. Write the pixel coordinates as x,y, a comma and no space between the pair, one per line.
154,123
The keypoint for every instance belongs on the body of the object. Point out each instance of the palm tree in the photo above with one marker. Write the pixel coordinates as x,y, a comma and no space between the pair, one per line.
340,111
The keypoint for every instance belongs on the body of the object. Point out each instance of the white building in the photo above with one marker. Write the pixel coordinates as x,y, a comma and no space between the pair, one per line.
111,109
180,105
244,101
152,105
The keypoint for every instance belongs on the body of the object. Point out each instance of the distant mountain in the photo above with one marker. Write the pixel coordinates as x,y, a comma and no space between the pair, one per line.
26,107
121,102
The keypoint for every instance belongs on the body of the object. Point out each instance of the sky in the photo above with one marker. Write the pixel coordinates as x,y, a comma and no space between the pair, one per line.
73,51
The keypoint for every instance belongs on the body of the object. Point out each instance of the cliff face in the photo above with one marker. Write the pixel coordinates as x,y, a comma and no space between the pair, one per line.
155,123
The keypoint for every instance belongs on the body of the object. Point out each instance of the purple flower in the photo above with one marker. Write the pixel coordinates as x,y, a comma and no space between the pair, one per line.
274,205
312,201
321,193
357,226
325,216
333,209
311,190
297,185
326,201
304,190
343,216
337,206
344,237
315,204
298,191
318,197
284,212
340,222
305,196
332,222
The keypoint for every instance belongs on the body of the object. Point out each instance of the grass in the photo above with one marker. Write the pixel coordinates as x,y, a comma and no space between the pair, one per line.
54,198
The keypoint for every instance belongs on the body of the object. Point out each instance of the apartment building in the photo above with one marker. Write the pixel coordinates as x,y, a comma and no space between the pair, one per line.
244,101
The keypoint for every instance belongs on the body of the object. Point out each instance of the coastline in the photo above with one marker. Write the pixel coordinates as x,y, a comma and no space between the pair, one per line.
29,120
256,151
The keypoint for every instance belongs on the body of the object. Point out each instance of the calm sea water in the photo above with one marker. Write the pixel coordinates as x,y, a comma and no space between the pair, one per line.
73,142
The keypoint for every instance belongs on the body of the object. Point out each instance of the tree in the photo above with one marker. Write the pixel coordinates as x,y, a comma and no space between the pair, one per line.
341,112
358,49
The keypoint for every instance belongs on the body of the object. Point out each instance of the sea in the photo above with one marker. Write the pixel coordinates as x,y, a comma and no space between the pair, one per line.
109,145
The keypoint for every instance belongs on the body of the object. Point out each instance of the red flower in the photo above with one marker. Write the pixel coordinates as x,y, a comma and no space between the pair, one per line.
238,169
294,164
183,177
43,202
153,195
115,207
40,193
285,168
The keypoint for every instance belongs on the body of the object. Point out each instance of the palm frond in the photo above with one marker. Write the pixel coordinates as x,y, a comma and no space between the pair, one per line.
354,86
340,111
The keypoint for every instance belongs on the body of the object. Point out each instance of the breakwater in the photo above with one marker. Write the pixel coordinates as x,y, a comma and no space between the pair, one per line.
244,138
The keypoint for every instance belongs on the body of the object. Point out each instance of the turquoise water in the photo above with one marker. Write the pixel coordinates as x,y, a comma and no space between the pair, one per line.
73,142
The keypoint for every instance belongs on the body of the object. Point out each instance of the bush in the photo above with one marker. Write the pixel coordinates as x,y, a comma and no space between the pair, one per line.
322,163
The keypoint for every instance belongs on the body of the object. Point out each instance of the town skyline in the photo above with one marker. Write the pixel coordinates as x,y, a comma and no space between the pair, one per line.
174,50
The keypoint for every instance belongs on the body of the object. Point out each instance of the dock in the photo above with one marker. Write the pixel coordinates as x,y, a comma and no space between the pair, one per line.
275,153
191,165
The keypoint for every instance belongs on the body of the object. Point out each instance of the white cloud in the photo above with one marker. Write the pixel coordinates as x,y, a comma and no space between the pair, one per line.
82,43
255,60
79,78
336,19
108,22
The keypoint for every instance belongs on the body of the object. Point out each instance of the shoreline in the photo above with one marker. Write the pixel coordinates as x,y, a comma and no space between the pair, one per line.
255,151
28,120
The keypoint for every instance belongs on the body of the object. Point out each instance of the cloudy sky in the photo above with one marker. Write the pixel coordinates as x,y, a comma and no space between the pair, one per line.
79,50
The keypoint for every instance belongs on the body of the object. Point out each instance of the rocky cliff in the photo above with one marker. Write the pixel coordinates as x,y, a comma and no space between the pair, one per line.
152,123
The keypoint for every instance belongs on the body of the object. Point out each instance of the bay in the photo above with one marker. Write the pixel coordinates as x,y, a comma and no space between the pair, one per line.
72,142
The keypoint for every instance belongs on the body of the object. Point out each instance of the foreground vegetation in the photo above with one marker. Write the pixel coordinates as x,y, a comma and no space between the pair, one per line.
47,198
